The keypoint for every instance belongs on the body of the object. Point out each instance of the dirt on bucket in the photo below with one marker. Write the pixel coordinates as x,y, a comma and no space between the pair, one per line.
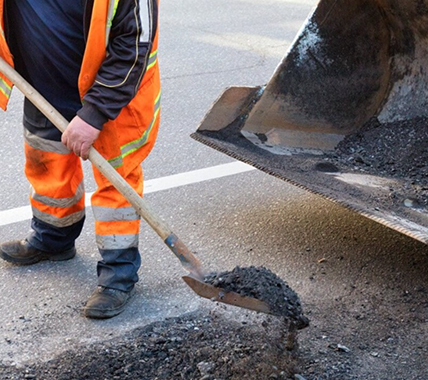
266,286
397,150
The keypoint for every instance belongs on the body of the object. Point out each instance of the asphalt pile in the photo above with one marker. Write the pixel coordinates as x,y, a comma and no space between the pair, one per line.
264,285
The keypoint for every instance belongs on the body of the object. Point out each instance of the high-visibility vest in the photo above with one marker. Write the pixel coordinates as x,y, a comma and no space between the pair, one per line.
95,51
5,84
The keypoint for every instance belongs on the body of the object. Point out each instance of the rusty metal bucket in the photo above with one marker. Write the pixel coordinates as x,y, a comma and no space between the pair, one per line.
351,63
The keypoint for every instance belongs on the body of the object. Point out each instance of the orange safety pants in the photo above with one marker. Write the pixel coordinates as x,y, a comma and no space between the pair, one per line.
57,194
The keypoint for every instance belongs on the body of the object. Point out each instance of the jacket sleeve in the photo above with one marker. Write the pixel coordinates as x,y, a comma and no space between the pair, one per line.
118,79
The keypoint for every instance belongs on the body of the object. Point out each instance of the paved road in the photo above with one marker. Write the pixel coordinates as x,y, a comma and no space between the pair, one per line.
235,216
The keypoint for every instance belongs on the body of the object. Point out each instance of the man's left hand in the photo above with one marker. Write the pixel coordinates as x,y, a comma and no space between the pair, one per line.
79,137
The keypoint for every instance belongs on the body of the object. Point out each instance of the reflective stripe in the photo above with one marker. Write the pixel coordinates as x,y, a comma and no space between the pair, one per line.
146,11
112,8
5,88
116,162
58,222
136,48
116,241
107,214
39,143
152,59
60,202
136,144
150,62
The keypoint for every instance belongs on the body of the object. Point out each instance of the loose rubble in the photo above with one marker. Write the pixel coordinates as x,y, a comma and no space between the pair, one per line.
199,346
264,285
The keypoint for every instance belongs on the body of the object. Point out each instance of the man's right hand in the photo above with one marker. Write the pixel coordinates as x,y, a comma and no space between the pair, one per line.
79,137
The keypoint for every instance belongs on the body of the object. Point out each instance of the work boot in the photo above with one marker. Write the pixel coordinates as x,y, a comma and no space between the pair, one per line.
106,302
23,253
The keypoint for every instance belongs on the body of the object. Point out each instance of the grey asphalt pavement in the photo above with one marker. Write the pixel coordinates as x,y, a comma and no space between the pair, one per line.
245,219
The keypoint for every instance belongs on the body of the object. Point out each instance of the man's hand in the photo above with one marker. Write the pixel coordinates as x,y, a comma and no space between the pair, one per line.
79,136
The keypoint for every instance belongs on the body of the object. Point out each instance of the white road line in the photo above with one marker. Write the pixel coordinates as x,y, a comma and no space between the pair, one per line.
20,214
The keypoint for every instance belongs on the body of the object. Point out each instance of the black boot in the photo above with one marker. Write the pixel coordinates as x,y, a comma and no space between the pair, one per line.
106,302
23,253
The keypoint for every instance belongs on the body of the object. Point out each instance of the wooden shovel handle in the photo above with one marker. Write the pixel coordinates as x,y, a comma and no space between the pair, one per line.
187,259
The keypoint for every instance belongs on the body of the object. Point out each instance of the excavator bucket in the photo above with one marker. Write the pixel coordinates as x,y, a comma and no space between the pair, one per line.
345,113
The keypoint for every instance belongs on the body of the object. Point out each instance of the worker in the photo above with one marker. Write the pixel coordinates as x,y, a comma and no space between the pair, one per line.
96,62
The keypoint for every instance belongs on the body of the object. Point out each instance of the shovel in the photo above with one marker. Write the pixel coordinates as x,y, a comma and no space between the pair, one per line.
195,279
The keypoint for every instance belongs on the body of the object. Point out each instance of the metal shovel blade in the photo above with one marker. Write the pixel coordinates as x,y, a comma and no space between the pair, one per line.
221,295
